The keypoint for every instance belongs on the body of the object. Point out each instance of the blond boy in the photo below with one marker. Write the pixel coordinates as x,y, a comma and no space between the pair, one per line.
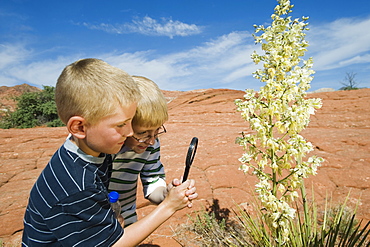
141,153
68,205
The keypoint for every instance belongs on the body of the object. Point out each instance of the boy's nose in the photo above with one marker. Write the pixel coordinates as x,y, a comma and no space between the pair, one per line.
151,140
129,131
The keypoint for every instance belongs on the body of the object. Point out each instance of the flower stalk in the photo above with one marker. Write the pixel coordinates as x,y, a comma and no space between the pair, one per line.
275,152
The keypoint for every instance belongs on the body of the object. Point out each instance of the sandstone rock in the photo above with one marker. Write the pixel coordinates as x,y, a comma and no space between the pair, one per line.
325,89
340,133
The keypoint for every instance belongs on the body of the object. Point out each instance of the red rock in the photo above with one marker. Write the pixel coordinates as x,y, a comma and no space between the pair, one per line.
7,95
340,132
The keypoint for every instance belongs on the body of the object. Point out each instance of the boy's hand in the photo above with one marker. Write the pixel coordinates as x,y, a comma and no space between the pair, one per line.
175,183
177,197
121,221
159,194
190,191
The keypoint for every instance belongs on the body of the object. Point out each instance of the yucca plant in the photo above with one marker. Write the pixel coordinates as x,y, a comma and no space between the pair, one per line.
276,153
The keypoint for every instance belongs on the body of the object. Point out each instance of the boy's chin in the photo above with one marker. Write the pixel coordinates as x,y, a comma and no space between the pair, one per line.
139,150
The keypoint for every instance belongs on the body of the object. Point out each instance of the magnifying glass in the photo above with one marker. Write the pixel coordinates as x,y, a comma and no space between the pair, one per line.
190,157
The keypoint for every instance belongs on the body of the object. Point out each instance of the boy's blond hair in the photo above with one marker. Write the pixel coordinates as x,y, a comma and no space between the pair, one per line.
151,109
91,88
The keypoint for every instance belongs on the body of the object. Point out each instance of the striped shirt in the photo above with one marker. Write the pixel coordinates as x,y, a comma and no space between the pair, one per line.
126,168
68,204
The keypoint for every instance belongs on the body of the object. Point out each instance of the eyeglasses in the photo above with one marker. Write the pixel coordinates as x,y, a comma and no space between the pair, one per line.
161,130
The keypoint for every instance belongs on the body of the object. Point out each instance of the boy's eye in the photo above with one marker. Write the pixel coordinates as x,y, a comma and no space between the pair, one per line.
121,125
141,133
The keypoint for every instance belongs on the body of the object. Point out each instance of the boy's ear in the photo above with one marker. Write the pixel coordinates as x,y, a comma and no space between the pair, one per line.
76,125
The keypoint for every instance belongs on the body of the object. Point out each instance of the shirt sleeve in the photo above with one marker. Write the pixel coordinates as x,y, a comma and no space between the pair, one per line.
153,174
84,219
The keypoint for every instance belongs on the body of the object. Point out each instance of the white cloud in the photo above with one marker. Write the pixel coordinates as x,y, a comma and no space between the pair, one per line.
212,64
340,43
226,60
41,73
18,65
356,60
12,54
149,26
221,62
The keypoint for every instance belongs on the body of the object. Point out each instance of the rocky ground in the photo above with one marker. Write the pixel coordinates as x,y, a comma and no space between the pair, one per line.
340,132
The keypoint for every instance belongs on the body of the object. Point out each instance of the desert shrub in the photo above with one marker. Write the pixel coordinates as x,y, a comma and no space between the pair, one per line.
212,226
336,226
346,88
350,82
33,109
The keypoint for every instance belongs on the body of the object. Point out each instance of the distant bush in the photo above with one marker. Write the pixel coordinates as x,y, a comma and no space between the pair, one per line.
33,109
348,88
350,82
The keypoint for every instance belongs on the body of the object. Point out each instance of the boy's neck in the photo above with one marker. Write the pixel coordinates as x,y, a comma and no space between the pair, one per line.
81,144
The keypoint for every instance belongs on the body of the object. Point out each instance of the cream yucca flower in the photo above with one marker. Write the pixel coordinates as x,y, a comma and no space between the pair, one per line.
274,151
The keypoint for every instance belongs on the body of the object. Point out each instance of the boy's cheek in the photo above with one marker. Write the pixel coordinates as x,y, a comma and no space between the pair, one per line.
130,143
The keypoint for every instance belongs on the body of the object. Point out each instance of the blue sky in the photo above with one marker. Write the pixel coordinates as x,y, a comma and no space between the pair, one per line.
181,45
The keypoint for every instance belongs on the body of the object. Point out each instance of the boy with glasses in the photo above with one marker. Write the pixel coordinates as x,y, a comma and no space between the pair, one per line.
140,154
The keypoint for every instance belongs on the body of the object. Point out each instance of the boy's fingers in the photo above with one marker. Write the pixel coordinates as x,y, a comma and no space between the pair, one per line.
193,196
176,182
190,191
192,183
186,184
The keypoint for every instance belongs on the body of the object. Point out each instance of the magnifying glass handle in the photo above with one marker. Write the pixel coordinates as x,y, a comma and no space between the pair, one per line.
186,173
190,157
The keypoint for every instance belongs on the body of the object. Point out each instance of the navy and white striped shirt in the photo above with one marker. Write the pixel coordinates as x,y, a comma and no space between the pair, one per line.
68,204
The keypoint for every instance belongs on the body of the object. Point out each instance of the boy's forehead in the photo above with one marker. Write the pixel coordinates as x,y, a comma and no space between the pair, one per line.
123,112
139,128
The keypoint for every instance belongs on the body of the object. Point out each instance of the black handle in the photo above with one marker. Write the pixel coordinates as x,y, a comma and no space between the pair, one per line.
190,157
